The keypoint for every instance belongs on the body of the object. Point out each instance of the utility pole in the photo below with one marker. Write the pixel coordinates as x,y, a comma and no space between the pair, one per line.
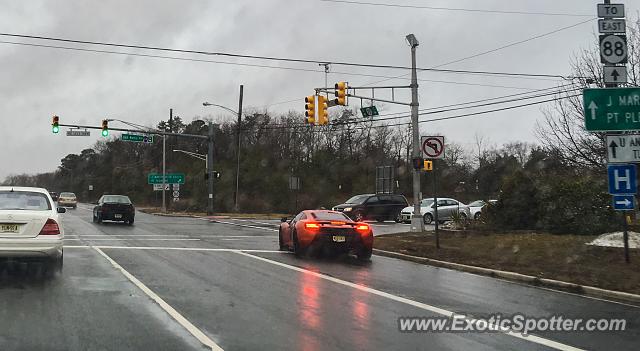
236,207
164,166
417,223
210,169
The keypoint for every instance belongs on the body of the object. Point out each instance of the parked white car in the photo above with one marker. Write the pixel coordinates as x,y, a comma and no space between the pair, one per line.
446,209
476,207
30,227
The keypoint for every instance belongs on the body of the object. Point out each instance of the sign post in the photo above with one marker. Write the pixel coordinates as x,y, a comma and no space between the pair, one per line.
433,149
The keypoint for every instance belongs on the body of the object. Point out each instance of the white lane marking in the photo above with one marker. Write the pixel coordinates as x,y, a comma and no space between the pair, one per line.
243,225
196,249
197,333
531,338
132,235
146,239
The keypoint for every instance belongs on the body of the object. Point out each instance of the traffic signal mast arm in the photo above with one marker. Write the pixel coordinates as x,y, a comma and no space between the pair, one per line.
328,90
137,131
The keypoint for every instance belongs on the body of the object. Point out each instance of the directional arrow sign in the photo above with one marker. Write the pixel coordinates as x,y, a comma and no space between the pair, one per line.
614,74
612,109
623,148
624,202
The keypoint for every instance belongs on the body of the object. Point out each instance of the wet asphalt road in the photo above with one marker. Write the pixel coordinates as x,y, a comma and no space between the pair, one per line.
188,284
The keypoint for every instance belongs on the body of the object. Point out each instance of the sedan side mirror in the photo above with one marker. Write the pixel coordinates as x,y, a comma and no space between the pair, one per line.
62,210
284,219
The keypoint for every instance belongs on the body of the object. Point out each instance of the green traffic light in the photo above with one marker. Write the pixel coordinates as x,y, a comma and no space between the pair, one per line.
105,132
55,129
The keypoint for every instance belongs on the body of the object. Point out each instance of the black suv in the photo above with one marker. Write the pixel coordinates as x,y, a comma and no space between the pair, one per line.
380,207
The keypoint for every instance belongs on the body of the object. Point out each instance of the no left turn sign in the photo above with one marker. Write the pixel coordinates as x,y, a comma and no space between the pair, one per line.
433,147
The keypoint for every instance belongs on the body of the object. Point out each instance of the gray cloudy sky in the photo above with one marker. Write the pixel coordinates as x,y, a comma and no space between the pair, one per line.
86,87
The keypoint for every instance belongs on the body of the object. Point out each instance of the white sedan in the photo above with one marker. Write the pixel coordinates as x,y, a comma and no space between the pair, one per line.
30,226
476,207
447,208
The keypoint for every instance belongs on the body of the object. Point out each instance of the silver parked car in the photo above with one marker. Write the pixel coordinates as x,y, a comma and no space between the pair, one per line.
30,227
446,209
476,207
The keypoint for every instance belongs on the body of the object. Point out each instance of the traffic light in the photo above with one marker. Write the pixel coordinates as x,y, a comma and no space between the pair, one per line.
341,93
105,128
215,174
310,107
428,165
323,114
55,125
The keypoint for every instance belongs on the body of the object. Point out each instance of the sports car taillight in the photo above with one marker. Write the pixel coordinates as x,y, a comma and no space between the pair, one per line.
312,226
50,228
363,228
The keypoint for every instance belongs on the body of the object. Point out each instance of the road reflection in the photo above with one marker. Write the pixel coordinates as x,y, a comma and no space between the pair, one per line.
23,275
310,313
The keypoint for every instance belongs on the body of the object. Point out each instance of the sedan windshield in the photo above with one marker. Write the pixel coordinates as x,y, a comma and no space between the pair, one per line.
118,199
24,200
477,203
72,195
358,199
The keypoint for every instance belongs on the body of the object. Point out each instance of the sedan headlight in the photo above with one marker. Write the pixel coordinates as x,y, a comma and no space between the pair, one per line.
348,209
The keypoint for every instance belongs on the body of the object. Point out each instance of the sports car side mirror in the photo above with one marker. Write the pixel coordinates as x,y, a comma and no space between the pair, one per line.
62,210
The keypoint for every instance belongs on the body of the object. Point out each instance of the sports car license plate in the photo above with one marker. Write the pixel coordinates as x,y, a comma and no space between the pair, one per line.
339,238
117,215
8,228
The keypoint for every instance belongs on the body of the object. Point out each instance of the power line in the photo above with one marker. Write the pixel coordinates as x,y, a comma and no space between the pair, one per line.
456,9
298,126
273,58
245,64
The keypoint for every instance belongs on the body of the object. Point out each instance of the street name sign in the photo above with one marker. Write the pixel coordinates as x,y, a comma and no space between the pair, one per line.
614,74
137,138
613,49
432,147
608,26
369,111
612,109
623,148
622,179
624,202
611,10
158,187
77,132
171,178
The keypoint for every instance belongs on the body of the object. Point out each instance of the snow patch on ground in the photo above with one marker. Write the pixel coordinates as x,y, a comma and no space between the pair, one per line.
615,240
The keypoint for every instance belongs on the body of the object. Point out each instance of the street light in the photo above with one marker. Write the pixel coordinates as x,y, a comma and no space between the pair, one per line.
239,114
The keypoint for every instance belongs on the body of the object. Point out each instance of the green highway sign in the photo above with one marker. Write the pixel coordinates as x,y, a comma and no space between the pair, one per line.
137,138
369,111
611,109
172,178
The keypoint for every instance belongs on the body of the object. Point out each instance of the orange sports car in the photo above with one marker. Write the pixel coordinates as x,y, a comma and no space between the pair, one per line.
328,231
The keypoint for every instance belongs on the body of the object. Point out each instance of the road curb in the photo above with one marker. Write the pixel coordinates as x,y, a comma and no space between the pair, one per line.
549,283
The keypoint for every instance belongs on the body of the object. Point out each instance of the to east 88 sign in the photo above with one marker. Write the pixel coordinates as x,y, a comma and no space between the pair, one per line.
613,49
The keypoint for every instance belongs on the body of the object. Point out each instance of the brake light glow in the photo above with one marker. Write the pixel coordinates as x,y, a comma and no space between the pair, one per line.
312,225
50,228
364,228
337,223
